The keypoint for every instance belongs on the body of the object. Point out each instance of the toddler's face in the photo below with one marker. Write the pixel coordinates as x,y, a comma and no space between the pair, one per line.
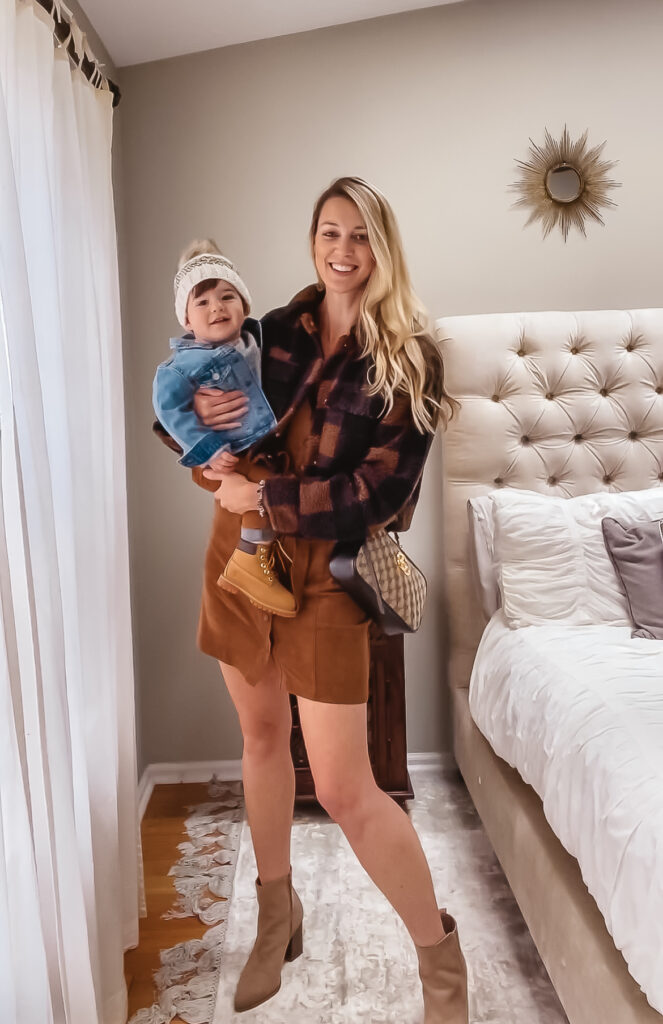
217,315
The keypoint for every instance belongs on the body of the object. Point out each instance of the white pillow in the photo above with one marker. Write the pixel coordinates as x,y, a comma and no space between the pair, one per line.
482,553
553,565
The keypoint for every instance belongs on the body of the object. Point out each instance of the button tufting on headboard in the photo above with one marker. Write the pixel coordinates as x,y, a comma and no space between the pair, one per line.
545,421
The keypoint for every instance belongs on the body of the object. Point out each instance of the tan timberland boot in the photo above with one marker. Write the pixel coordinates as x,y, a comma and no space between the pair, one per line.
443,973
279,938
251,571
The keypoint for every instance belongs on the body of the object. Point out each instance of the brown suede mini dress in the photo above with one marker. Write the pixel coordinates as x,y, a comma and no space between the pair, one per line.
323,652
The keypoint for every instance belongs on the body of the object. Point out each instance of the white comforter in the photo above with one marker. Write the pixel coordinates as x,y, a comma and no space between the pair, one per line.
578,711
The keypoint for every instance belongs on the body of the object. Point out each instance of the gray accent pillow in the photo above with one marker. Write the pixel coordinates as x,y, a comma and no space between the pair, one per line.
637,555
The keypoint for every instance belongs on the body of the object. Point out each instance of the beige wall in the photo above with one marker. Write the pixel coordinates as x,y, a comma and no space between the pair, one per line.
434,107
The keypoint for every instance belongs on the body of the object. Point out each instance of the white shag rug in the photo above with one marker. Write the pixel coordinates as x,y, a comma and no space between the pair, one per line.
188,978
359,965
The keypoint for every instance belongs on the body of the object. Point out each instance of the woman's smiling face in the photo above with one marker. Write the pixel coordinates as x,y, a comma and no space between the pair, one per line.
342,255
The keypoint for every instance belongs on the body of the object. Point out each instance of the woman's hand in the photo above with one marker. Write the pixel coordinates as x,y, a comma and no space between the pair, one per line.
223,463
220,410
236,493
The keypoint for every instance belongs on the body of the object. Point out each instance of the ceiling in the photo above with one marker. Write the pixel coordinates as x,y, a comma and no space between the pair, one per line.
136,31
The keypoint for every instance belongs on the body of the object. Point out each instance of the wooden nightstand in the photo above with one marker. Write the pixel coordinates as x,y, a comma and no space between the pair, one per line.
387,744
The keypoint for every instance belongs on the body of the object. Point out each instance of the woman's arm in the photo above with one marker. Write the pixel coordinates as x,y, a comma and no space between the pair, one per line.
233,491
346,505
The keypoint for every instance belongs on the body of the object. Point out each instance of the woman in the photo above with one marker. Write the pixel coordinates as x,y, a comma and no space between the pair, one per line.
357,387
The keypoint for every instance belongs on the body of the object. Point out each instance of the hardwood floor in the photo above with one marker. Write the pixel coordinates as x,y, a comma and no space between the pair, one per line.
162,830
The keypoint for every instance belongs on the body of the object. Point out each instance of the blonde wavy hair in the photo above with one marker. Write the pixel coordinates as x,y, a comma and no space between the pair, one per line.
392,326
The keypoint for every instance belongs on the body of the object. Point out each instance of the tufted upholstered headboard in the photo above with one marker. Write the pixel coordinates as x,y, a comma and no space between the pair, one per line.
561,403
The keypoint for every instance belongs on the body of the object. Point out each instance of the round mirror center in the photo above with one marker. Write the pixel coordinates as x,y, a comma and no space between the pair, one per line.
563,183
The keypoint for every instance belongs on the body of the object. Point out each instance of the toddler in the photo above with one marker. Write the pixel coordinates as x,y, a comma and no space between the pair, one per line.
221,350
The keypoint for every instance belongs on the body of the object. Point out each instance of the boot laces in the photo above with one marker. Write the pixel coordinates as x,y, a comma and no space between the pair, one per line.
266,559
285,557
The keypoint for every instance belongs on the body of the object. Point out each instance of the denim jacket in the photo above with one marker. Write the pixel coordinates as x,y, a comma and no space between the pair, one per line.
194,366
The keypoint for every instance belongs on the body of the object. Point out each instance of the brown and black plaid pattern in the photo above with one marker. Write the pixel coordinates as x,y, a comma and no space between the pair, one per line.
363,468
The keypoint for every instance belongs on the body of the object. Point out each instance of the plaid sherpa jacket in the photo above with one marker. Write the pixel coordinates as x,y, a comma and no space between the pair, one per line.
363,468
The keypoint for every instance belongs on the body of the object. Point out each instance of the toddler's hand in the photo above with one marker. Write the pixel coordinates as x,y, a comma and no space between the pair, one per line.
222,463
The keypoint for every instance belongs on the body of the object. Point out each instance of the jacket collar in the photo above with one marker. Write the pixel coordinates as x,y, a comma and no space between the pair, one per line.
303,310
250,327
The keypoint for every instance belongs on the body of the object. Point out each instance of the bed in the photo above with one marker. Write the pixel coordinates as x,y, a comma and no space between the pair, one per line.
563,405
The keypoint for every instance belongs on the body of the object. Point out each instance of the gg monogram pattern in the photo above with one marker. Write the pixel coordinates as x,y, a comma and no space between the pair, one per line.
382,563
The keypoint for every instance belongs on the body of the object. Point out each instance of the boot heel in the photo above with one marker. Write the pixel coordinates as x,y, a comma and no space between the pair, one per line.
225,585
295,946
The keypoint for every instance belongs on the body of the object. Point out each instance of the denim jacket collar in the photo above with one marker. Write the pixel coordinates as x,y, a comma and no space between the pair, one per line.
250,326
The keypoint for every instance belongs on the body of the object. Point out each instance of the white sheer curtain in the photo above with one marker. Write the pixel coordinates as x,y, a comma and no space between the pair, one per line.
70,872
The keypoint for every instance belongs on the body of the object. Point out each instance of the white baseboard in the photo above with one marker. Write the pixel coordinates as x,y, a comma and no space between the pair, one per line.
230,771
436,759
184,771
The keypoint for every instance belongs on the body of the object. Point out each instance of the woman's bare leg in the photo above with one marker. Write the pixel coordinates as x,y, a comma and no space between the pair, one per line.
268,773
378,830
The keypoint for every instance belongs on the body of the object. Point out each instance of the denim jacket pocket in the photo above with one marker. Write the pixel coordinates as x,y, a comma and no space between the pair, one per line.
217,376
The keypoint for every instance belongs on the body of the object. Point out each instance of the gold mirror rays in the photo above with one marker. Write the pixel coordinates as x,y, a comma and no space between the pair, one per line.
564,183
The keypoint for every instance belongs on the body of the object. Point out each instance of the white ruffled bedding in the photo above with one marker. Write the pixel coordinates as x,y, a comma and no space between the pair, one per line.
578,711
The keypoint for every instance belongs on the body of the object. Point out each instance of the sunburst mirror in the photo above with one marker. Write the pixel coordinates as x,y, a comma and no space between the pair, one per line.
564,183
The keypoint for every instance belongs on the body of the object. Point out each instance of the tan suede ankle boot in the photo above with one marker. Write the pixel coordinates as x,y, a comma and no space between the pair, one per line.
443,973
250,570
279,938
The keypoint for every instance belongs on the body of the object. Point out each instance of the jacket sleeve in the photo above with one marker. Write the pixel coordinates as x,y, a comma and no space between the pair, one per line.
172,398
346,505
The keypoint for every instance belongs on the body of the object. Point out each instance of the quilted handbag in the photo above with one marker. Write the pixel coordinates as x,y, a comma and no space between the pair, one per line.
383,581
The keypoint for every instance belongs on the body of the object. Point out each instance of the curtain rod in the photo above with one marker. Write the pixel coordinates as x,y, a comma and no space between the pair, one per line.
62,32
